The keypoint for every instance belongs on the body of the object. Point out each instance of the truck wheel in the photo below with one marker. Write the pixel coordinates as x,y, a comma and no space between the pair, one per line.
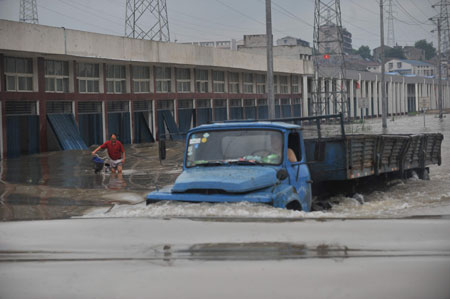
294,205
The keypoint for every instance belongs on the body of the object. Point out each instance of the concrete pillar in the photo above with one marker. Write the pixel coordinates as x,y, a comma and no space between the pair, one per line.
369,95
351,113
432,95
104,117
1,131
192,76
210,79
341,101
416,90
358,95
322,95
305,111
225,74
404,102
131,109
330,98
375,97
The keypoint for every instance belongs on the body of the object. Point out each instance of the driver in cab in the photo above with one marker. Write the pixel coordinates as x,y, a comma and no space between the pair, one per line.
277,148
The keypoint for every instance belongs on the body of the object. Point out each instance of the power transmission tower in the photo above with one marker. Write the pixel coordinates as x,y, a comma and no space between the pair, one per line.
390,19
28,11
329,94
147,19
445,26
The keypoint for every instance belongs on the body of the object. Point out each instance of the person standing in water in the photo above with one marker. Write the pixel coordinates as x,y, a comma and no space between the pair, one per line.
115,152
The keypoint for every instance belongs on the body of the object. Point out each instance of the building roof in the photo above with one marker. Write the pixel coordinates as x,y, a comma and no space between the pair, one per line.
248,125
417,62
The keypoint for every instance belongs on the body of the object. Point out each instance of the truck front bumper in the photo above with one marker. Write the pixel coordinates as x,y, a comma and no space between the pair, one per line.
256,197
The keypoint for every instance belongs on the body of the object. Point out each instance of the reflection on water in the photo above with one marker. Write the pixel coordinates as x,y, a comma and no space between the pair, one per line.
63,184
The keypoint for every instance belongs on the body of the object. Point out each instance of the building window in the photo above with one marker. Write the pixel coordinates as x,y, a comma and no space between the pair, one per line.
88,77
391,65
248,83
220,103
284,86
201,80
295,80
164,105
203,104
399,65
249,102
183,80
260,83
233,82
163,79
115,78
262,102
141,79
235,103
218,81
19,74
185,104
285,101
56,76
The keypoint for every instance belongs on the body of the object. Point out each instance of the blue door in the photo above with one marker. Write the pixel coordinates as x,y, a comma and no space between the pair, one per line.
299,174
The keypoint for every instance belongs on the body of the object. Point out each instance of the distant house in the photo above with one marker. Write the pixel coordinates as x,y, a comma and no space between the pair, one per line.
413,53
287,47
406,67
292,41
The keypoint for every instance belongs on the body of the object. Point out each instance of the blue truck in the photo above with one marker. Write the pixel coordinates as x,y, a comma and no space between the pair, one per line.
275,163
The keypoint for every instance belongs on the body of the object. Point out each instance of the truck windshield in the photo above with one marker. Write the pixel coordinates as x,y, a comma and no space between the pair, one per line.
246,147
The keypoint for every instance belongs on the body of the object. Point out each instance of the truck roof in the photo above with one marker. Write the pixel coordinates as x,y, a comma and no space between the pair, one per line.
247,124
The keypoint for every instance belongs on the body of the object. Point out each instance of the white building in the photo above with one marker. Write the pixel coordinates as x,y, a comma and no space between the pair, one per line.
406,67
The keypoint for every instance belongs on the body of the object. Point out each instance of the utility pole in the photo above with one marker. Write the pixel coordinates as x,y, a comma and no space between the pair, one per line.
383,85
269,79
439,69
441,19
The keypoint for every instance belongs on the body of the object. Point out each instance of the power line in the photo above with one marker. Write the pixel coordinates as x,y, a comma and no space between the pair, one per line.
76,19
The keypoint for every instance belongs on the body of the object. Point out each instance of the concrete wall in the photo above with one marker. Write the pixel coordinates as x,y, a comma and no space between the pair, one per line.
16,36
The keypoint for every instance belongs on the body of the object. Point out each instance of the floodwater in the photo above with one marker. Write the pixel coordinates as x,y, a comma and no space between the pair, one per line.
63,184
108,244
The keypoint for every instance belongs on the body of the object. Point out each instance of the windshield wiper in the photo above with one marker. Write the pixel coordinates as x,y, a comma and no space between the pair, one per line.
210,163
245,162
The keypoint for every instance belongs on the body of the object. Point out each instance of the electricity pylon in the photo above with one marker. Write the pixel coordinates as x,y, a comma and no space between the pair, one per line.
329,94
147,19
28,11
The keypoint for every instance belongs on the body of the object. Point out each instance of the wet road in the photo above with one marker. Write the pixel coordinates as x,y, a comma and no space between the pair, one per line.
181,258
63,184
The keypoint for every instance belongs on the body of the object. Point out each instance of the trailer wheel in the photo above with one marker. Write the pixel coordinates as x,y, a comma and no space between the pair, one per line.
294,205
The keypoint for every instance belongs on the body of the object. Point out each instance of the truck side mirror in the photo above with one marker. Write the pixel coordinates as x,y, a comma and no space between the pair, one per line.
162,149
282,174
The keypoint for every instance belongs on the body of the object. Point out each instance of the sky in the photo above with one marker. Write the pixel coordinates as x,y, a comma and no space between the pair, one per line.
206,20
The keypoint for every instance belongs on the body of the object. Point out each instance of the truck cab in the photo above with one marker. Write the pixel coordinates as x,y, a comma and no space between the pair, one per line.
261,162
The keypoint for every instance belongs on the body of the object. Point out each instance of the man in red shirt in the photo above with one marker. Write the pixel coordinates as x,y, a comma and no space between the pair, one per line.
115,152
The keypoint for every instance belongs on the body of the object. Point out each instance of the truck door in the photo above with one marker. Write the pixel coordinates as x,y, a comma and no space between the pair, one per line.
298,171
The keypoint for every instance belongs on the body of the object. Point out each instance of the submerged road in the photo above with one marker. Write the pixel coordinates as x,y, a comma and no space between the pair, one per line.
395,245
193,258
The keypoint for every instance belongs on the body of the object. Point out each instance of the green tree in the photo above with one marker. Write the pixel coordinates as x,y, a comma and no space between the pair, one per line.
395,52
364,51
430,51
